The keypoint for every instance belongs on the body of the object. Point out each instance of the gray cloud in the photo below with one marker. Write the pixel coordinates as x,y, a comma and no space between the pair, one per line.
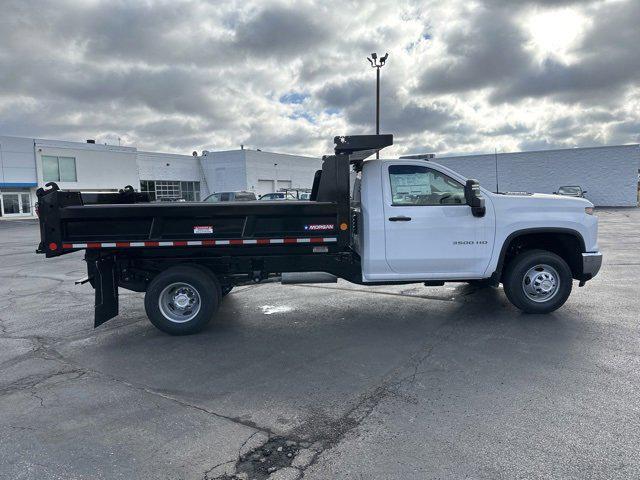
401,117
609,63
480,55
190,74
279,31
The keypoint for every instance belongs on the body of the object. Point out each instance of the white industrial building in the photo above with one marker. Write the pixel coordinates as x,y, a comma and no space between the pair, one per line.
257,171
609,174
29,163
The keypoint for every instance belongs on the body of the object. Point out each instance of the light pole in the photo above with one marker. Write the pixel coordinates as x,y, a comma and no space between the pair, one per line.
377,63
275,183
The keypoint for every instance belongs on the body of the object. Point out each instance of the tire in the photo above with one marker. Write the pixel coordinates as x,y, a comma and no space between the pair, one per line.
537,281
182,300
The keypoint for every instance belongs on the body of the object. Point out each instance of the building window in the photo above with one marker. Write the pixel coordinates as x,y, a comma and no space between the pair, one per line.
171,190
168,190
190,191
58,169
25,199
14,202
148,187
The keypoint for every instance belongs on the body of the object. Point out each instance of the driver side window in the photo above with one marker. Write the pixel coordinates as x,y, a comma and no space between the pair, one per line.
422,186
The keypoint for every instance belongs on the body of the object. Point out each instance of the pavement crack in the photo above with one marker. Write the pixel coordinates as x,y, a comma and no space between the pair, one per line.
206,474
34,381
35,395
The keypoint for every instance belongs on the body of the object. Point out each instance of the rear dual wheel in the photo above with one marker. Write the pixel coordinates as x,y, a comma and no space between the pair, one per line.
182,300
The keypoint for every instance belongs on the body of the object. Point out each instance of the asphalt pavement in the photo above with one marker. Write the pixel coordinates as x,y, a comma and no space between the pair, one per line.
331,381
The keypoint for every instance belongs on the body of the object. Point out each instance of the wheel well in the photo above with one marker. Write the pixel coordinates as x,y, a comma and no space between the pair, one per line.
566,245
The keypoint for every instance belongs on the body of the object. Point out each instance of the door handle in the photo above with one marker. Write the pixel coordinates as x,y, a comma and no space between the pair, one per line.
401,218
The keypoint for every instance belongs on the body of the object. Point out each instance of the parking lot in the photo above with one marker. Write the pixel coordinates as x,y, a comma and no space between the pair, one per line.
324,381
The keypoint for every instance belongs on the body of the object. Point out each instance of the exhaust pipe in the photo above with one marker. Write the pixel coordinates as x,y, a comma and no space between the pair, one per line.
292,278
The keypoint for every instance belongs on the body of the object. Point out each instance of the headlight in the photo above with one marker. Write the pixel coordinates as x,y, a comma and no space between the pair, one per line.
588,210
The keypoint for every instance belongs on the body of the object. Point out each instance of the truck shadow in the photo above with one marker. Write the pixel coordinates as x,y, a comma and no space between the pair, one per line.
323,350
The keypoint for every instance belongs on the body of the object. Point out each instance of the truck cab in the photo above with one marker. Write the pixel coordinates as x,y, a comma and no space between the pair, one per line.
415,223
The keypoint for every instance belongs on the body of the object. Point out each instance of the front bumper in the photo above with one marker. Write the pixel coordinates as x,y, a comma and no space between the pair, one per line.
591,263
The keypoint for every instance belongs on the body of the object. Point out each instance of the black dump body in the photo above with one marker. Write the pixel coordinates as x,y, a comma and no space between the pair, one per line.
129,239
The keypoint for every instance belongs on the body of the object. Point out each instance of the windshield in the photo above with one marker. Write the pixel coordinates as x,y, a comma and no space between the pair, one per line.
570,190
214,197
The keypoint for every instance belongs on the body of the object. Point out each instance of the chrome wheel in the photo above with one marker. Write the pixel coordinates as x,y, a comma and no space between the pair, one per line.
179,302
541,283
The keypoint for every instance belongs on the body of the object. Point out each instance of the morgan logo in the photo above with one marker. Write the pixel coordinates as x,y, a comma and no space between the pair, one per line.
324,226
202,229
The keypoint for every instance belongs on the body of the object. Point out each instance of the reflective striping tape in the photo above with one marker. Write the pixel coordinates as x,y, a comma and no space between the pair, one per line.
202,243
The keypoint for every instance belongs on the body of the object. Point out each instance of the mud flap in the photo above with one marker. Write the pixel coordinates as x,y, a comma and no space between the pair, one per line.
106,287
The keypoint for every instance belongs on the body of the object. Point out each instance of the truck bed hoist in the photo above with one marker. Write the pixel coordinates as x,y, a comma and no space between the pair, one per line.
400,221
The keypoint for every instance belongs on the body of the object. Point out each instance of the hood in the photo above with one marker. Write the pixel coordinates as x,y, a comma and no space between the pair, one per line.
541,199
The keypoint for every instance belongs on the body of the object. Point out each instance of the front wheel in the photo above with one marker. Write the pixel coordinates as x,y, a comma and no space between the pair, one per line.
537,281
181,300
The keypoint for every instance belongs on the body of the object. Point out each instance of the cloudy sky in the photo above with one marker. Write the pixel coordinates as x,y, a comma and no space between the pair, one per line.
462,76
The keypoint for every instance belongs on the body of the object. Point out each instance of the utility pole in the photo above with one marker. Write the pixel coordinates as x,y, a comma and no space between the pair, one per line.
377,63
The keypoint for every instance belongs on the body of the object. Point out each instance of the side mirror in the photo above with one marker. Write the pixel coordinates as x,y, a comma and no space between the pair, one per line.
474,198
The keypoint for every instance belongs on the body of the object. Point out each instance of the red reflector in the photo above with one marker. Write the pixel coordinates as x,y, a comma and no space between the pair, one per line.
53,246
67,245
263,241
235,242
122,244
208,243
290,240
179,244
93,245
151,244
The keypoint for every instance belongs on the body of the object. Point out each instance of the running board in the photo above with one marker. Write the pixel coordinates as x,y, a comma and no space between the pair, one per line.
292,278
